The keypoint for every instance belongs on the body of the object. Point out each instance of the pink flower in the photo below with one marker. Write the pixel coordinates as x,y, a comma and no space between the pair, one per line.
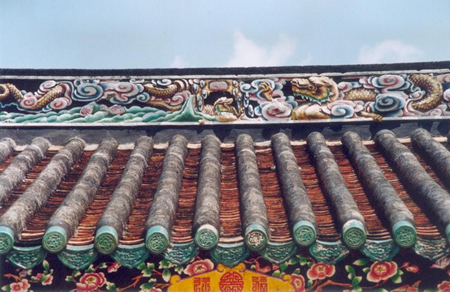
412,269
86,110
408,288
113,267
24,273
116,110
199,267
91,281
381,271
442,263
21,286
320,271
444,286
298,282
405,264
48,279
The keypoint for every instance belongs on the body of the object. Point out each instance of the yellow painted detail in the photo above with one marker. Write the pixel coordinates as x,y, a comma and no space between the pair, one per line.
235,279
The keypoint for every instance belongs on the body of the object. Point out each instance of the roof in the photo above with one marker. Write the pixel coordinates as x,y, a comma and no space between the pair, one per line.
225,96
231,199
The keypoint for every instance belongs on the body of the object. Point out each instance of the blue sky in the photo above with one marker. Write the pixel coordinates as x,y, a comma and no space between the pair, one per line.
161,34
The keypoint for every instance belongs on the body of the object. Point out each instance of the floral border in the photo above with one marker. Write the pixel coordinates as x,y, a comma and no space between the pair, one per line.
407,273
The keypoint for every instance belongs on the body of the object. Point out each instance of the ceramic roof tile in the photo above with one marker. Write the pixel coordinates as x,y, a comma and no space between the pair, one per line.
277,187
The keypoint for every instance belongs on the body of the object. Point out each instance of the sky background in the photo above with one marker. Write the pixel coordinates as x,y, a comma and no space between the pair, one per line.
113,34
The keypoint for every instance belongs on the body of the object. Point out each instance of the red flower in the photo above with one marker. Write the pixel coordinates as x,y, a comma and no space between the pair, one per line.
113,267
408,288
199,267
47,281
91,281
298,282
444,286
381,271
320,271
412,269
21,286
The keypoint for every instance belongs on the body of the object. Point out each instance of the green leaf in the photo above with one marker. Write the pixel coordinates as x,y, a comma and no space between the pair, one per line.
293,261
350,269
400,272
90,269
165,264
361,262
179,269
146,286
76,273
166,275
357,289
366,270
45,265
276,273
110,286
6,288
141,266
283,267
397,279
303,261
146,272
310,283
309,264
351,272
44,278
252,267
296,271
381,290
102,265
70,279
356,281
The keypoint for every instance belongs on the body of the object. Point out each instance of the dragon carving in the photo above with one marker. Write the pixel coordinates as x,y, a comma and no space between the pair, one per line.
317,91
9,90
158,95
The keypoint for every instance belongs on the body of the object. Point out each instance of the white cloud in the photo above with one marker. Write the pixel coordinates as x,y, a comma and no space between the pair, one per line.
178,62
389,51
247,53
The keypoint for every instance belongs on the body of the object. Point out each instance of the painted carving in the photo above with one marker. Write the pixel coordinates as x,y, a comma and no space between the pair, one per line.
239,100
298,273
